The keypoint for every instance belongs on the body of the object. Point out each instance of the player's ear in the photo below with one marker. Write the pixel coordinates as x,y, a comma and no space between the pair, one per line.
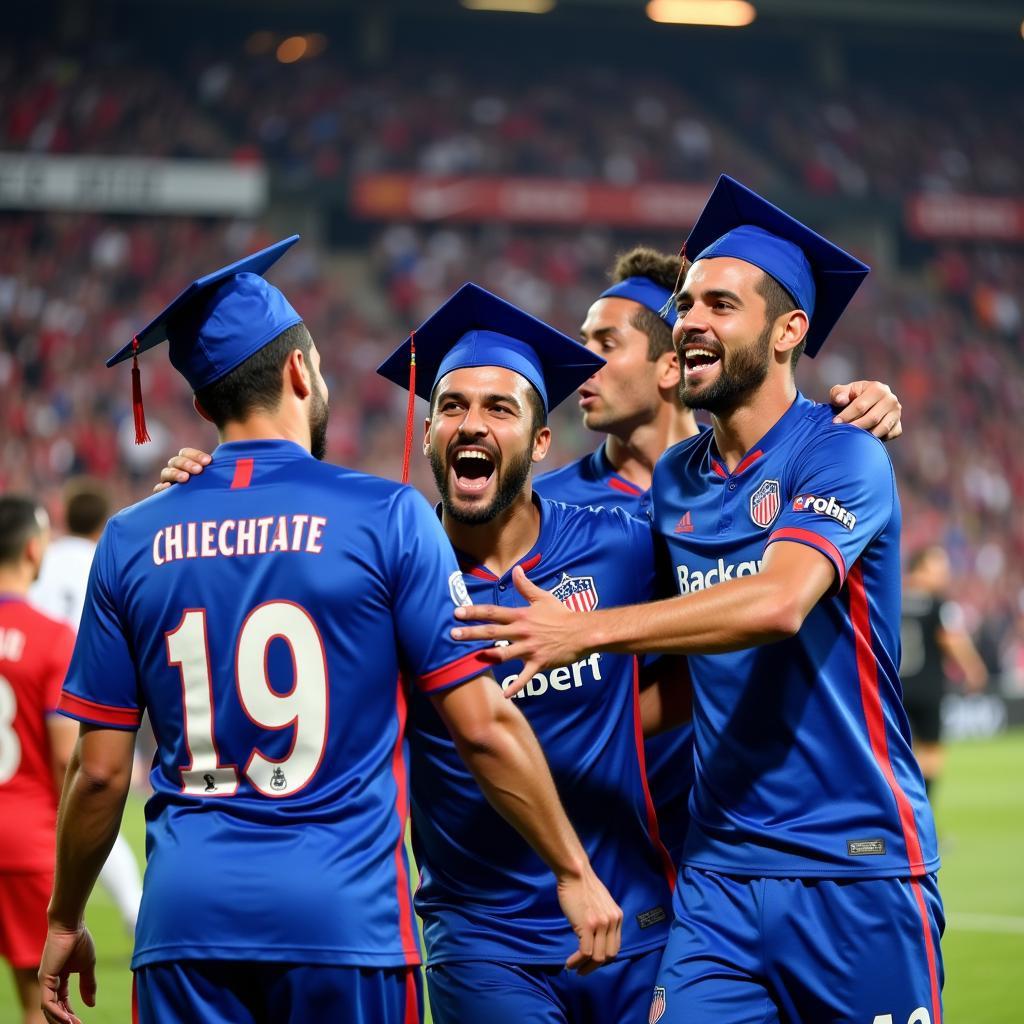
298,374
667,367
794,325
541,444
426,436
199,409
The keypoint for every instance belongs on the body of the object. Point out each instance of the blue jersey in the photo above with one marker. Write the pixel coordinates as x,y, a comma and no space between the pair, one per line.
270,616
803,760
484,893
668,757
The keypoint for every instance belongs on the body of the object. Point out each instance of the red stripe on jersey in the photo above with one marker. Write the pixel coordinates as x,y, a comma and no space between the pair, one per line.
467,667
412,998
102,713
815,540
652,815
719,469
405,925
867,671
243,474
624,486
531,563
929,949
481,573
135,998
747,462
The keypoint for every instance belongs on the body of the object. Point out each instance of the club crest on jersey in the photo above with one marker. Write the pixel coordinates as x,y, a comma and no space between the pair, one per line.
765,503
458,590
657,1005
577,593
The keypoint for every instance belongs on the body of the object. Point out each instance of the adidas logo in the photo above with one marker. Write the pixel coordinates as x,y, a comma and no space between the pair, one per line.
685,524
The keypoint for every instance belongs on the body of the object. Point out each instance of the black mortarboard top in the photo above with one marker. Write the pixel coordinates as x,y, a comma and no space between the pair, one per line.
820,276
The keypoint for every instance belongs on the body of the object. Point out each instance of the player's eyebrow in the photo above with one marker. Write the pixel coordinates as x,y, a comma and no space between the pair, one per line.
494,398
600,332
711,294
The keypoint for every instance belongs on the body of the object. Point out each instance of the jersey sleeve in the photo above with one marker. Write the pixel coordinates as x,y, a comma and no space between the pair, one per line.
843,494
427,587
102,686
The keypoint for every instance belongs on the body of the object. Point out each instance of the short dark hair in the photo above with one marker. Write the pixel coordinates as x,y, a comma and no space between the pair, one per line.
661,268
256,383
86,506
20,521
538,414
777,302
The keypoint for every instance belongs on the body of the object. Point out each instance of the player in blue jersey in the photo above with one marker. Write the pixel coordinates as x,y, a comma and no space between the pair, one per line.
274,619
634,399
496,942
808,889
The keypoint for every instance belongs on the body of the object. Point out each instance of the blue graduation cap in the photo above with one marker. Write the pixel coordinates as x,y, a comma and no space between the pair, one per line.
648,293
476,328
820,277
215,324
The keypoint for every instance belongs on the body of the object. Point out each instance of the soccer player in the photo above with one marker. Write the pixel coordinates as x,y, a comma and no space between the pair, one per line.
808,890
496,941
60,592
932,632
271,618
634,400
35,744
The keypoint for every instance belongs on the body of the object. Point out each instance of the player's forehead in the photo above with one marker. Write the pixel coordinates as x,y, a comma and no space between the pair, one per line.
609,314
482,382
721,274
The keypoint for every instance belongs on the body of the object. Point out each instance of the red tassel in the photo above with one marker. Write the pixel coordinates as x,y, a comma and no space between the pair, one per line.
141,433
410,409
682,265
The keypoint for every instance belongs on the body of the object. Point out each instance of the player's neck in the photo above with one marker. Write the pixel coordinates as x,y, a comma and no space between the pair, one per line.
502,542
634,454
738,430
15,580
269,427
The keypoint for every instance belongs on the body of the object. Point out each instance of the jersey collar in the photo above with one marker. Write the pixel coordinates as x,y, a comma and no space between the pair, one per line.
529,561
256,448
605,472
776,434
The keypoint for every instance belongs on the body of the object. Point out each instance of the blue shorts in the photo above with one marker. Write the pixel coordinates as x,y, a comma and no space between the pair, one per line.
230,992
801,951
502,993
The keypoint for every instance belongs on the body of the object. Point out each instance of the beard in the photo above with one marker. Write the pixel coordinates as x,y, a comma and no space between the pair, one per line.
318,416
741,373
512,477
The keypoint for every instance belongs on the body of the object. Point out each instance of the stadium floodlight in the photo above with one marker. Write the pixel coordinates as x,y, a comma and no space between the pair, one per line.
510,6
725,13
292,49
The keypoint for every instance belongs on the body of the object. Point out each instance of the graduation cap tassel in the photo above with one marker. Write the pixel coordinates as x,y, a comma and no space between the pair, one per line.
410,408
139,413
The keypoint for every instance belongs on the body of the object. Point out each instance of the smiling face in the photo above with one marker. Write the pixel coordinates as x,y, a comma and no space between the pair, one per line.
482,440
726,345
625,392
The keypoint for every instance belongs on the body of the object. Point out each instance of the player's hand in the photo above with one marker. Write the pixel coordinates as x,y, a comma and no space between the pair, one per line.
544,634
595,918
180,468
67,952
870,405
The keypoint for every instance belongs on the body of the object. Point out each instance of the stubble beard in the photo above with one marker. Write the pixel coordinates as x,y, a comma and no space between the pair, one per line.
744,372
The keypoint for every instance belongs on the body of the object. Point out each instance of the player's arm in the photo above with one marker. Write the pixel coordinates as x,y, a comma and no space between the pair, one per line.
730,616
870,405
91,806
62,733
666,695
956,645
500,749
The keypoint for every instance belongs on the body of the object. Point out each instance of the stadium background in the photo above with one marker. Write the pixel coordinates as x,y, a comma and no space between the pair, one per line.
417,145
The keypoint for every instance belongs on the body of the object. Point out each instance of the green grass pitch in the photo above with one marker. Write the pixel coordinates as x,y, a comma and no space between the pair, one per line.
981,823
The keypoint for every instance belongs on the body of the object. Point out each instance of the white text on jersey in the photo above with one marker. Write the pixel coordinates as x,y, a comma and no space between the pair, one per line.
229,538
563,678
691,580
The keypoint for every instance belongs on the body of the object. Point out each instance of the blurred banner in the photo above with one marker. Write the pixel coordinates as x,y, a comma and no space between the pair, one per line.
954,216
526,201
132,185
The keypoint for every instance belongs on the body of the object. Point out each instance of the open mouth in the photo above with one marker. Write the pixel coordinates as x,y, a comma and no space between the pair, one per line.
698,359
472,469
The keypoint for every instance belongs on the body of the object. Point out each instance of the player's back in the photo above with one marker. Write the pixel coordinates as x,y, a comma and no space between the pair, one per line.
34,653
259,605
